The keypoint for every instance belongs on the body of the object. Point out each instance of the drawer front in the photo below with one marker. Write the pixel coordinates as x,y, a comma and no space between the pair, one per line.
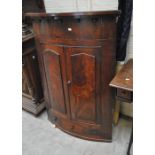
95,27
86,131
124,95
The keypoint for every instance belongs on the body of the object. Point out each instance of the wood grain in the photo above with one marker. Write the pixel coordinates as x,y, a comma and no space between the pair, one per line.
124,78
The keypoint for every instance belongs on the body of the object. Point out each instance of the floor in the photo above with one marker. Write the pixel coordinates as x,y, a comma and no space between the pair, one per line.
41,138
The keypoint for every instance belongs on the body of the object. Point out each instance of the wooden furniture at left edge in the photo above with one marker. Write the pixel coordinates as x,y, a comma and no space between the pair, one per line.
32,95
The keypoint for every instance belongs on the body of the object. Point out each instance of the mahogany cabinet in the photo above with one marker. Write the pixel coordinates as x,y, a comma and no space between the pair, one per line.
77,61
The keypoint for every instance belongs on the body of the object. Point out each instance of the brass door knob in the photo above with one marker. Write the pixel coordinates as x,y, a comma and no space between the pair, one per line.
69,82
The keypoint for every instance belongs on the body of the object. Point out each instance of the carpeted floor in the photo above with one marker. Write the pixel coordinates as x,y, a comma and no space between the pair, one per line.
40,138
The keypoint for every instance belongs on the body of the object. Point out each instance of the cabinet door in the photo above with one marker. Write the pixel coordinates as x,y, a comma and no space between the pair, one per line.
53,58
83,66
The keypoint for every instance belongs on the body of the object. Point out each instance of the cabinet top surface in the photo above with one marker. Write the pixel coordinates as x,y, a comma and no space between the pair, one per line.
92,13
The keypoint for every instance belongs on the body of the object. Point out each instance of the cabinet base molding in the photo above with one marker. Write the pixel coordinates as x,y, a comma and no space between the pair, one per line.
30,106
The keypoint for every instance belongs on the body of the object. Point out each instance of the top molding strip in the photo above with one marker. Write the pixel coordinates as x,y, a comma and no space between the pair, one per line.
92,13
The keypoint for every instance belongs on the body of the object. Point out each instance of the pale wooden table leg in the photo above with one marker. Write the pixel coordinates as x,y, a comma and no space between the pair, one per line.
117,103
116,112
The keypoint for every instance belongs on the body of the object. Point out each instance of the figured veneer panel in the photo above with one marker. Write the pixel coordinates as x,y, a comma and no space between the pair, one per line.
54,78
83,86
83,71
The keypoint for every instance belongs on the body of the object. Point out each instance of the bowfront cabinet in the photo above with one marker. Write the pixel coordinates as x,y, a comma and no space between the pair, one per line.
77,61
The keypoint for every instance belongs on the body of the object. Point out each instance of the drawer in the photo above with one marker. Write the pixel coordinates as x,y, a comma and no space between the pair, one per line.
95,27
82,131
85,28
124,95
86,131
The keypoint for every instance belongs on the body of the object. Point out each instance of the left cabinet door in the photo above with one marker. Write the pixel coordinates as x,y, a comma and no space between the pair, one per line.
54,63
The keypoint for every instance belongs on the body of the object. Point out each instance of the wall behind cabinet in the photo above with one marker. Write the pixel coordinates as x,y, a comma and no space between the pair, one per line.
79,5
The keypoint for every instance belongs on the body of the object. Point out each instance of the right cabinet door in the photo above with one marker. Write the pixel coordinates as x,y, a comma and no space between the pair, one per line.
83,73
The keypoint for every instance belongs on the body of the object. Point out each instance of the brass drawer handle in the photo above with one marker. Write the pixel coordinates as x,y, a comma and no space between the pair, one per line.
69,29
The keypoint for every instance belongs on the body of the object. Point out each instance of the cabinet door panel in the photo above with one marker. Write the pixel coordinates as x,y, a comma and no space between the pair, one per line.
83,73
53,68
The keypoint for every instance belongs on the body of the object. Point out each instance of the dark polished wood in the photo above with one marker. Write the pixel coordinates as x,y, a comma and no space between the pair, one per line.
124,79
77,61
124,95
31,82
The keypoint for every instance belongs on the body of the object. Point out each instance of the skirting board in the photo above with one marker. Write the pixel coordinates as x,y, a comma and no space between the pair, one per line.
28,105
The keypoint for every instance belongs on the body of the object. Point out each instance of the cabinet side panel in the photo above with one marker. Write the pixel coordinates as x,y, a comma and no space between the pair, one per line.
108,98
36,29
